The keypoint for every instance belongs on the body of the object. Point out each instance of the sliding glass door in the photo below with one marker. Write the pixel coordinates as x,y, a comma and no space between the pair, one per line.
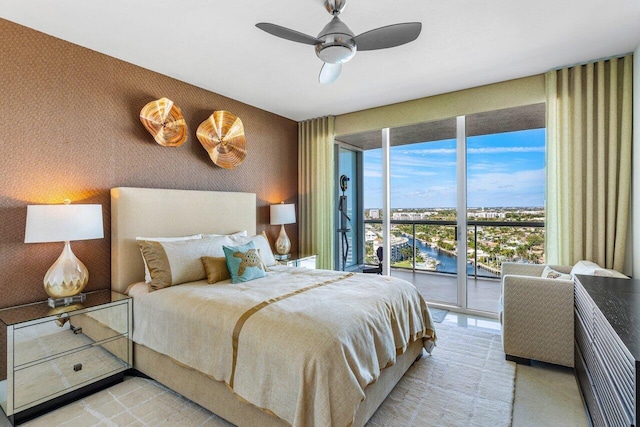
464,195
423,207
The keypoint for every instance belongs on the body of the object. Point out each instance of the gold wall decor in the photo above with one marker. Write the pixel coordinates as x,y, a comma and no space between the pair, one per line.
163,119
222,135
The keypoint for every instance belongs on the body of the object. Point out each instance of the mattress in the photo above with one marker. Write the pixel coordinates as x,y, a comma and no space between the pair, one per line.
301,344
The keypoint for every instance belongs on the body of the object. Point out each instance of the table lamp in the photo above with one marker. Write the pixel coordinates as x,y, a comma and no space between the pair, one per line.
68,276
280,215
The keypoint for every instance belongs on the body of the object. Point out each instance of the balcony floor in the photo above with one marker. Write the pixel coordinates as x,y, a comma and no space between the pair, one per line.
482,294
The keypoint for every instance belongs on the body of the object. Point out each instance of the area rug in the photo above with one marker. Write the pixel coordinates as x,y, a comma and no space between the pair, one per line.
465,382
437,314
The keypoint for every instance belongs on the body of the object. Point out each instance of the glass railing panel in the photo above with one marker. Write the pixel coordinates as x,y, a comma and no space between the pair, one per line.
431,245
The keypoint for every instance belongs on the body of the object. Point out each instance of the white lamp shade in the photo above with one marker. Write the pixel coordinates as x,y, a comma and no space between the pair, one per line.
63,223
283,214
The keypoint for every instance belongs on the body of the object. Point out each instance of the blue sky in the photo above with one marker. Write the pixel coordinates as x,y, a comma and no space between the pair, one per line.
503,170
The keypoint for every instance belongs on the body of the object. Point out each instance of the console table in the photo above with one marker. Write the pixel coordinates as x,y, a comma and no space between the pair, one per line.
607,340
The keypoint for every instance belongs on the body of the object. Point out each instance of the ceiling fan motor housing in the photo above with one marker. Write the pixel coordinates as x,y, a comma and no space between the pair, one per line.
337,44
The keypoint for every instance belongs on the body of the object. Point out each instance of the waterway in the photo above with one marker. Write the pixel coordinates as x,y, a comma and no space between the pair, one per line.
447,263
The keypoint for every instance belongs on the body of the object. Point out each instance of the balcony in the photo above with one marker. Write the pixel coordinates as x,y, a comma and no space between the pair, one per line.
425,253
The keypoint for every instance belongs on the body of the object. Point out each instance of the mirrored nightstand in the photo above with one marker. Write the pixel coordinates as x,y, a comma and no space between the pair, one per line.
55,355
308,261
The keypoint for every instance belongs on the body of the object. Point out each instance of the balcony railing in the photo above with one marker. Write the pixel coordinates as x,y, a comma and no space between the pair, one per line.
489,244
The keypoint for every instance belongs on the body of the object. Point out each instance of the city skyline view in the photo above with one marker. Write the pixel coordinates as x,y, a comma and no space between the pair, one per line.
503,170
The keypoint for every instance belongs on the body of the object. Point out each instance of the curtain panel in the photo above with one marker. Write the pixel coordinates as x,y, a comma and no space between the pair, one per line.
316,189
589,131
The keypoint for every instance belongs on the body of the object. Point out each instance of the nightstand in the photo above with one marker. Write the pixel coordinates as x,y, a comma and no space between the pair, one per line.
56,355
308,261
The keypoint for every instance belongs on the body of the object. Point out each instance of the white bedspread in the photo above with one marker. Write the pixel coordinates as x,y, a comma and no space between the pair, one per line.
300,343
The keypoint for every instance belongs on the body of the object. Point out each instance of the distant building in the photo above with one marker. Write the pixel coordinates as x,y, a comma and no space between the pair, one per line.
374,213
488,214
410,216
397,244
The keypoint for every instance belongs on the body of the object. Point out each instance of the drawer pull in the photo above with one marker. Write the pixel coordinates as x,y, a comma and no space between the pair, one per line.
77,367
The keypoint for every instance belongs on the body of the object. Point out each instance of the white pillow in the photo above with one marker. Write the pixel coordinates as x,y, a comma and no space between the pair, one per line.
262,244
242,233
173,263
147,276
550,273
586,268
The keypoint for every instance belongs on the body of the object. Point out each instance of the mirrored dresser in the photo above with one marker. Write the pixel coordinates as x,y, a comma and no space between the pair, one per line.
56,355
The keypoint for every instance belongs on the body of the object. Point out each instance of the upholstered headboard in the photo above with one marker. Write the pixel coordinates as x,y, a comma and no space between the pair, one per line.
152,212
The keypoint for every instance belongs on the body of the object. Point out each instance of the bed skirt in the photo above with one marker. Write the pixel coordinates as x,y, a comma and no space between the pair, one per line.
217,397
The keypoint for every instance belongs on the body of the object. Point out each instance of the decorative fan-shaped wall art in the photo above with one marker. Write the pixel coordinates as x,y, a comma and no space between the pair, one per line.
163,119
222,135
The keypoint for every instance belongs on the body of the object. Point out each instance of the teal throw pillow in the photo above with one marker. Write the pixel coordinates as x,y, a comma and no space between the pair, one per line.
244,262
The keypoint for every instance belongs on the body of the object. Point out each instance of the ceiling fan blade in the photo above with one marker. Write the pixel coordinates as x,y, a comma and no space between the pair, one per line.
286,33
389,36
329,73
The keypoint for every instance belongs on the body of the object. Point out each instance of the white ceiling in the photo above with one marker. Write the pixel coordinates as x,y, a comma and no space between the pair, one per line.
215,45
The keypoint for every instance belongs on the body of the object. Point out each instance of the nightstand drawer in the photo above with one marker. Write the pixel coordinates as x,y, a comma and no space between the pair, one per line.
34,342
57,376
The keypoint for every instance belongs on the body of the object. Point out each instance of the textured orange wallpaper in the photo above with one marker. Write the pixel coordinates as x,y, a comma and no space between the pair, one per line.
70,129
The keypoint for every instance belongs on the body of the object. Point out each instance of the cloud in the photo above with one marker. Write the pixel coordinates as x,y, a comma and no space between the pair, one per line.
481,150
500,150
372,173
520,180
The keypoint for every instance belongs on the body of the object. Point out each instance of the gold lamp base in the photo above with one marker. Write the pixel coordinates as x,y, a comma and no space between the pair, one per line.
65,279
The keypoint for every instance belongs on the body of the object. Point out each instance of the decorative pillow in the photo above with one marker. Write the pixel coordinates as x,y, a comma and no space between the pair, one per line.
550,273
173,263
216,269
147,277
261,242
244,262
586,268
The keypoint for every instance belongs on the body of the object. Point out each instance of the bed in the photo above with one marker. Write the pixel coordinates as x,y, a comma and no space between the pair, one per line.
248,380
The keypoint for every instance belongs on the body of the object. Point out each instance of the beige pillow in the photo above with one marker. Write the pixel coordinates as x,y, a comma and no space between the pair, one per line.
262,244
147,276
586,268
550,273
173,263
216,269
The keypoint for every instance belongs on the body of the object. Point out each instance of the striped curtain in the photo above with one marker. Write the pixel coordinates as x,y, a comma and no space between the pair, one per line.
316,199
589,124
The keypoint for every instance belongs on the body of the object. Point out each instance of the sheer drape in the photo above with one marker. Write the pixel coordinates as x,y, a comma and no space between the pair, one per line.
589,123
316,189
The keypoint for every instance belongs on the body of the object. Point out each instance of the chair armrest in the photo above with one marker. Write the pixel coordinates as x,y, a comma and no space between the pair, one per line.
521,269
537,318
515,286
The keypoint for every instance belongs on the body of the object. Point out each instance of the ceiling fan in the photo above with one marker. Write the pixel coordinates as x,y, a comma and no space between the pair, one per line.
336,44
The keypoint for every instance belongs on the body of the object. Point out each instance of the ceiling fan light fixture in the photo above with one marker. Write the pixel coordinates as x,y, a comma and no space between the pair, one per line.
336,43
336,52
